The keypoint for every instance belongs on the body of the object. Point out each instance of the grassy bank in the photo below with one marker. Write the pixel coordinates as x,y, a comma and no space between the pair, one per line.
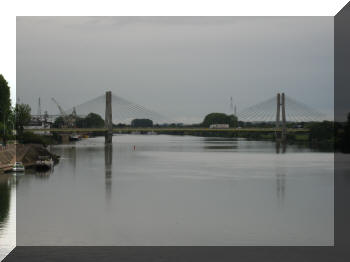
31,138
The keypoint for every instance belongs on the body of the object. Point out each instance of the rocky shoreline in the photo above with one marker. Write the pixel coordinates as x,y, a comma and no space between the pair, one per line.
28,154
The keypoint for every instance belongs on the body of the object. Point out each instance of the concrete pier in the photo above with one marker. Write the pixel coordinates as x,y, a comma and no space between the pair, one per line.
284,127
108,118
278,110
278,103
281,103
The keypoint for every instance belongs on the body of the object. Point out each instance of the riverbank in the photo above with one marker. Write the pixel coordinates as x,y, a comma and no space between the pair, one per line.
294,136
28,154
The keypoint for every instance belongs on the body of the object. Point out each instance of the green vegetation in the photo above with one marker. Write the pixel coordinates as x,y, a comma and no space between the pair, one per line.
31,138
6,127
5,110
321,135
90,121
267,136
321,131
142,123
22,117
5,101
342,136
301,137
59,122
219,118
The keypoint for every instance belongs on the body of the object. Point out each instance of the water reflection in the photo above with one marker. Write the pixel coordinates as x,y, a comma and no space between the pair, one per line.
44,174
280,186
38,174
279,144
167,193
218,143
69,154
281,171
108,170
7,214
5,195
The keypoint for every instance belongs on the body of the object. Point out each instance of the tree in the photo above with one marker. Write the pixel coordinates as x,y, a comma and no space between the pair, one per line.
6,126
59,122
94,120
322,131
219,118
79,122
233,121
22,114
345,138
5,107
142,123
91,120
5,101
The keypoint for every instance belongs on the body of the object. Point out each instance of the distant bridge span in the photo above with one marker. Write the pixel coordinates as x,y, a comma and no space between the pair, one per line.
271,109
166,129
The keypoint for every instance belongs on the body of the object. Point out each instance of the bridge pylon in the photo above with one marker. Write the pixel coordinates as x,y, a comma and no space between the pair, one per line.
281,108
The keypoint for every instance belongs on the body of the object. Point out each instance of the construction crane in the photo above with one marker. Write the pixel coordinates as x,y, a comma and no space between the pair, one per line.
63,113
69,120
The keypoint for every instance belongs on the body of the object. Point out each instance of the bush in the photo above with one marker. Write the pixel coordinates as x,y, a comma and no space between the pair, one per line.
322,131
31,138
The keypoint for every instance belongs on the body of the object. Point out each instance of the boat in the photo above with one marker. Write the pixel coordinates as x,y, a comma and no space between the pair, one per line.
74,137
44,163
18,167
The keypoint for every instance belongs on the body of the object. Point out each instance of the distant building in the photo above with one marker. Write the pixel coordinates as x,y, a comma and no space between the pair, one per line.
219,126
38,124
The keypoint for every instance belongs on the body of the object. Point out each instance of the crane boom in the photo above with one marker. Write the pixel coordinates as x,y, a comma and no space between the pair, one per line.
69,120
63,113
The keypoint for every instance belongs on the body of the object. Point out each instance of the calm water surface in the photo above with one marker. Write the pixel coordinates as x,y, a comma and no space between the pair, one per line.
178,190
7,214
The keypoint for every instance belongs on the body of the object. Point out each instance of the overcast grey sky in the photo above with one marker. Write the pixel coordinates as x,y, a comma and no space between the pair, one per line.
183,67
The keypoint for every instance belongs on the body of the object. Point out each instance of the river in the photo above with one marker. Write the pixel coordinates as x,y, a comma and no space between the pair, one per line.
178,190
7,214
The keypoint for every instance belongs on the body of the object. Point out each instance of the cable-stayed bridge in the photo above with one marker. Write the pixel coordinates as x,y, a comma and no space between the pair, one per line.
266,111
117,109
123,111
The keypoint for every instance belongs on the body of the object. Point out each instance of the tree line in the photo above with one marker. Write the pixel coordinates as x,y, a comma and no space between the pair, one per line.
17,117
90,121
11,117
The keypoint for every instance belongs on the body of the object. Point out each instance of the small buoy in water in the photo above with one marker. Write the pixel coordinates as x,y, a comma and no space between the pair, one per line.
134,147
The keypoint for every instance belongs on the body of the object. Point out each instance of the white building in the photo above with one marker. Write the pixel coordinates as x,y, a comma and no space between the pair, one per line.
219,126
38,124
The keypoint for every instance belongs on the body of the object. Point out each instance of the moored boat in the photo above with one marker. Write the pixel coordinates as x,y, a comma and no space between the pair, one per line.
44,163
74,137
18,167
